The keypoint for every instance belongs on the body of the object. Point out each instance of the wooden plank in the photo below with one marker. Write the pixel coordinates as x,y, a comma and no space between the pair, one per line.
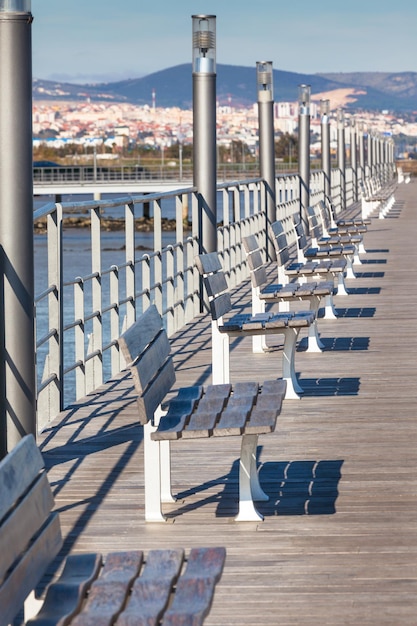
221,305
28,571
155,393
151,591
208,263
108,593
135,339
17,471
195,589
24,522
150,361
64,597
215,284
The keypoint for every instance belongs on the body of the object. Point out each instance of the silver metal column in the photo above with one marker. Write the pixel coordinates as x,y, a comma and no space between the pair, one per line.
17,345
326,164
341,156
304,151
204,127
264,76
353,158
361,147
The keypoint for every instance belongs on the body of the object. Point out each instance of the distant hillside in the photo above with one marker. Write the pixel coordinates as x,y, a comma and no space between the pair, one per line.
173,87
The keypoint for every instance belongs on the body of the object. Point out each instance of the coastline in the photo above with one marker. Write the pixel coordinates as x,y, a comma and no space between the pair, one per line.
142,224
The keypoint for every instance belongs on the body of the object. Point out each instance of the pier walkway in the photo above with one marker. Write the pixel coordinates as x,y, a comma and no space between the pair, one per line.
338,545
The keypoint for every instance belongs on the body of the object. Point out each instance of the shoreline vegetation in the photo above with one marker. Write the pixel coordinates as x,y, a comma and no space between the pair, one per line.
142,224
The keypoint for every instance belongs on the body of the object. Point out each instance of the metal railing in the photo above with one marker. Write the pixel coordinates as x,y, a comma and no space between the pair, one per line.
87,296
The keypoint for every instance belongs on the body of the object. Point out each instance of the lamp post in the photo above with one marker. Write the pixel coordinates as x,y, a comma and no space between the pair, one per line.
361,147
264,77
341,156
353,158
325,148
204,127
17,337
304,151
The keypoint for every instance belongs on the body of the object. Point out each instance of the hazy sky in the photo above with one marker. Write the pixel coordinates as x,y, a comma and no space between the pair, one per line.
103,40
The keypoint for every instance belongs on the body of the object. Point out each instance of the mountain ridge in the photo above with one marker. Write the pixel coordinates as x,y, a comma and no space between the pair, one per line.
172,87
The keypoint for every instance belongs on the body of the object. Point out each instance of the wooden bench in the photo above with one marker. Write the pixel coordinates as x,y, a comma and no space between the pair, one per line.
246,410
300,269
226,323
376,197
315,252
342,234
266,292
130,587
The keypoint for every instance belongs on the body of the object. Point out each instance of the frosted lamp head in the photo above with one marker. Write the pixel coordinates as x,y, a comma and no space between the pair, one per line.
264,79
204,44
340,116
304,92
15,6
324,107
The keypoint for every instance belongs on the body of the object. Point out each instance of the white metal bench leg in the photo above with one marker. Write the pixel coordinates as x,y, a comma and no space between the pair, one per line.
220,367
361,248
350,273
314,343
258,306
329,310
249,487
288,367
341,286
356,257
152,471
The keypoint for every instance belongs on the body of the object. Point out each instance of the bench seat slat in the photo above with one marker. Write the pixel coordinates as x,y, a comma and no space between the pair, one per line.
151,591
154,394
33,510
195,589
29,569
109,591
64,597
17,472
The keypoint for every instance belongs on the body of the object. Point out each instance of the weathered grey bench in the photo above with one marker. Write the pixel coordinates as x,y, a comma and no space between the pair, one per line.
343,234
300,269
226,323
130,587
376,197
246,410
266,292
314,252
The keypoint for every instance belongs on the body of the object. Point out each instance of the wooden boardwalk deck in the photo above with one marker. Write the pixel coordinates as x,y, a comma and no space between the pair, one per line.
339,541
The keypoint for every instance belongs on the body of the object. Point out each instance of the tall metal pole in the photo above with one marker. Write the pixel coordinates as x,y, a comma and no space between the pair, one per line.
341,156
304,151
353,158
326,164
204,127
361,147
17,345
267,142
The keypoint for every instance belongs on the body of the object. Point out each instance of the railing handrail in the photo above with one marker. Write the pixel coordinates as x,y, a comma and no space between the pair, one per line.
91,310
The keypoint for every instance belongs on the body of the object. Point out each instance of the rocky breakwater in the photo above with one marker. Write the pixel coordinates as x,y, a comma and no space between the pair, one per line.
142,224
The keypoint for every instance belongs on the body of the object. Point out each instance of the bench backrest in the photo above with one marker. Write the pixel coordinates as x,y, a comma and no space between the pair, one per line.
147,351
280,242
215,283
313,224
30,533
258,273
326,217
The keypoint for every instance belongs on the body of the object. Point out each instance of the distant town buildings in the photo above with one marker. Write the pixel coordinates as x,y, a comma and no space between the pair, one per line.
115,125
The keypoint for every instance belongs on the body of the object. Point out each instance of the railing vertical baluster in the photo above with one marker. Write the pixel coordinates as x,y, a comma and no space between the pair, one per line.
97,334
179,292
130,263
114,320
55,310
170,291
79,336
157,259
